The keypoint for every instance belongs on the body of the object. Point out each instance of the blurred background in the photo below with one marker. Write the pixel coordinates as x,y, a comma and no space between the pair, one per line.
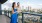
31,6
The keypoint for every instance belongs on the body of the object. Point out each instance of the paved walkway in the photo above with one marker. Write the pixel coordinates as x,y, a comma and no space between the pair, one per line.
4,19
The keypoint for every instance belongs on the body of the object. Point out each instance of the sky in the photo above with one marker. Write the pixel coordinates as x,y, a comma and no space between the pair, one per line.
35,4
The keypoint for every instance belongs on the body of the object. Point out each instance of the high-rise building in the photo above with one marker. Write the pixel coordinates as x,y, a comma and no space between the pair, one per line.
29,8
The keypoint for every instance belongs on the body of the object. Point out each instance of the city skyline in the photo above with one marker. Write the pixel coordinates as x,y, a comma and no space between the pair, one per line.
36,4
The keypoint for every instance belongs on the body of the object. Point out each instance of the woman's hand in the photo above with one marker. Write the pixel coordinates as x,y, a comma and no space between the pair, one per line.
19,11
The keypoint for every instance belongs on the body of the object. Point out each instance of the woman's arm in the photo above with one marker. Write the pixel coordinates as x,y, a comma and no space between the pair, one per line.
12,11
19,10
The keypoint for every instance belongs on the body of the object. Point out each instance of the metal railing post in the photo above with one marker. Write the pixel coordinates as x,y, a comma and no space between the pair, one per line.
0,10
22,18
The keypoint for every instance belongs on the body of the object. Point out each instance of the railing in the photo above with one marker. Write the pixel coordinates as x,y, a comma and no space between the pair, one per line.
40,15
7,13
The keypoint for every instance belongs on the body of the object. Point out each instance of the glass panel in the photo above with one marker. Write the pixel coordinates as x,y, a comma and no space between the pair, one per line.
32,19
20,18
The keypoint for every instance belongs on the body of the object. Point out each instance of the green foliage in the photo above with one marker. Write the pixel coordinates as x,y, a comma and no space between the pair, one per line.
23,10
20,14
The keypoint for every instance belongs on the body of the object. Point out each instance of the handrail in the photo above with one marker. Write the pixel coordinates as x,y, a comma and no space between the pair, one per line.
30,14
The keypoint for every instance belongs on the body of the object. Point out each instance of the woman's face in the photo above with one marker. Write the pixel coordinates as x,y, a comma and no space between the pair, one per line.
18,4
15,5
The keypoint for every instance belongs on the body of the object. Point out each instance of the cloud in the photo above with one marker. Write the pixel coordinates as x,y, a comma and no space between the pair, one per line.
7,4
25,3
4,6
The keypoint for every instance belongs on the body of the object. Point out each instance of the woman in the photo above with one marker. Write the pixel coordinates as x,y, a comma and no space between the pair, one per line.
18,8
14,13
